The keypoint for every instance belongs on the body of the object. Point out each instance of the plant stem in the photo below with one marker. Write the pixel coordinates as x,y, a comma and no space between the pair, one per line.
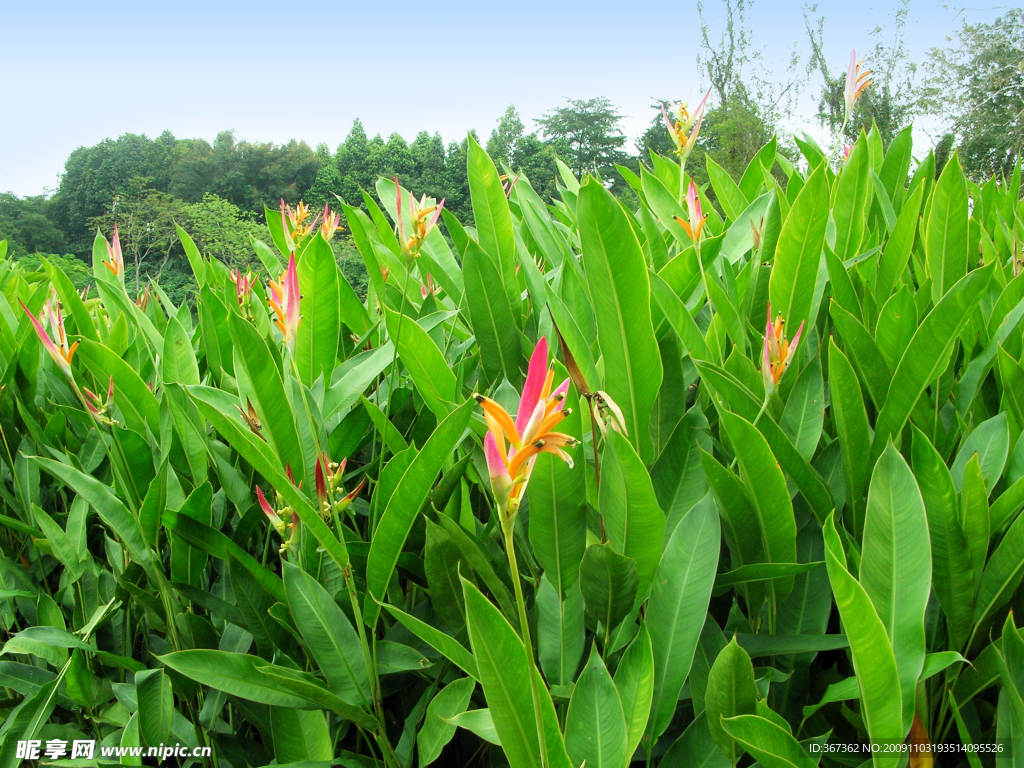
525,627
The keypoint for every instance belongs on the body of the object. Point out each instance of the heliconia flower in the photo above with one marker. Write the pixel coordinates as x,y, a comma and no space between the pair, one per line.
679,130
506,184
98,408
778,352
847,148
529,434
116,259
270,512
429,288
610,414
320,481
856,82
423,217
284,300
243,286
142,302
60,352
695,225
330,223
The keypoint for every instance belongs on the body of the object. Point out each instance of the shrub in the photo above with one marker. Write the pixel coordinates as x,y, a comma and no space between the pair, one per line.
774,504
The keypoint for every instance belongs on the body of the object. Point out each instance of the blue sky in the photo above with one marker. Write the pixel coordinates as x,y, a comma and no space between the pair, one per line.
80,71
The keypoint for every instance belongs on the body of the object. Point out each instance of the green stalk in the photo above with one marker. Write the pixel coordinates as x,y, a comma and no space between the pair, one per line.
525,624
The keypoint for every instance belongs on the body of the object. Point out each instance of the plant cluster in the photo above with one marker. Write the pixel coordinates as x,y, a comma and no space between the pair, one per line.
685,483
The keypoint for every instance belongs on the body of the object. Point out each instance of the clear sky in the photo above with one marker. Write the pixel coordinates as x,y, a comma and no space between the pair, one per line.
78,71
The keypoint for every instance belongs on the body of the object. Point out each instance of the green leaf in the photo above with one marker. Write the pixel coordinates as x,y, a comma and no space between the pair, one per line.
695,748
268,395
409,497
179,359
760,572
133,398
896,566
215,406
430,372
767,742
952,577
679,318
634,680
990,441
726,190
442,563
316,341
504,675
478,721
300,736
329,635
111,510
677,476
894,258
851,423
617,277
927,355
495,325
558,522
975,516
896,325
239,675
798,253
156,705
595,731
447,645
609,584
805,410
678,605
1002,574
766,489
492,217
731,691
873,659
561,631
852,201
211,541
945,236
634,522
437,730
865,355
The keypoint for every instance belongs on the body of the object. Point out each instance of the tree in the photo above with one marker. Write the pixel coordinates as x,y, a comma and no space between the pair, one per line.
890,102
223,230
26,226
505,137
428,165
94,175
536,159
352,160
456,179
977,83
328,182
145,218
588,135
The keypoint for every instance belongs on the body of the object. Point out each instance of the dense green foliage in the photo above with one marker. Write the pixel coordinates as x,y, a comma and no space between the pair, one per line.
298,528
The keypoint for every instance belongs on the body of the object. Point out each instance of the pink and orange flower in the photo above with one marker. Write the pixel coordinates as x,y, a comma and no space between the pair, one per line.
856,83
695,226
115,259
511,446
685,128
778,351
423,217
284,300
